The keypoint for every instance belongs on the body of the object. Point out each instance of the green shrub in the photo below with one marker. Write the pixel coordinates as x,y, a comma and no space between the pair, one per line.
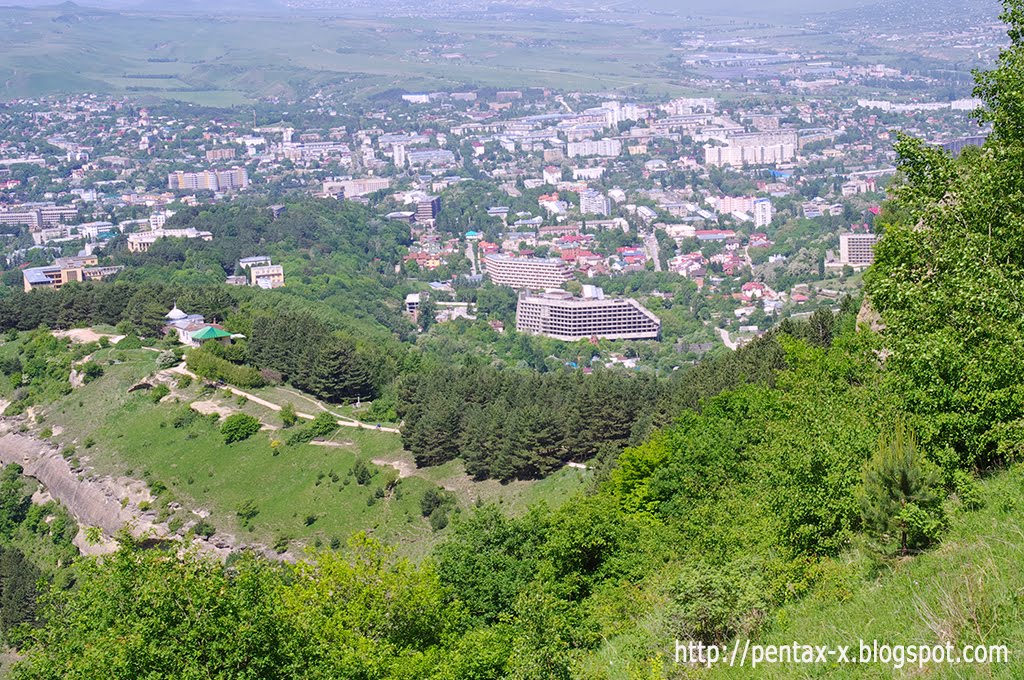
204,528
288,416
90,371
207,365
239,427
324,425
166,359
159,392
130,341
184,417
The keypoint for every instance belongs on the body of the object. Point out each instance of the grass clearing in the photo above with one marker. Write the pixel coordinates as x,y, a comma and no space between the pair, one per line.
306,494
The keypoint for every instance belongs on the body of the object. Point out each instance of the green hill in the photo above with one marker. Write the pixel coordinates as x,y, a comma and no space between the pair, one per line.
969,591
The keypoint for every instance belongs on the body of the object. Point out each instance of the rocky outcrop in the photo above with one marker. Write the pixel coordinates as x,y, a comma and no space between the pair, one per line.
110,503
869,317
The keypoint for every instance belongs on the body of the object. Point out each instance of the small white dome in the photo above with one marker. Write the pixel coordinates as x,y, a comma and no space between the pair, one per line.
176,314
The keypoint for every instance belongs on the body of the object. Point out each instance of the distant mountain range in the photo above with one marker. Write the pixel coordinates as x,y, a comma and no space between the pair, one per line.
759,8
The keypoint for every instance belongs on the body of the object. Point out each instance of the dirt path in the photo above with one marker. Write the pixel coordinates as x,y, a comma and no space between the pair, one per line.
405,468
343,421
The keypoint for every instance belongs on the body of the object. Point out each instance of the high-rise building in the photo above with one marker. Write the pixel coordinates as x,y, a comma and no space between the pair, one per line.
208,180
857,250
559,315
235,178
593,202
398,155
762,212
527,273
594,147
428,208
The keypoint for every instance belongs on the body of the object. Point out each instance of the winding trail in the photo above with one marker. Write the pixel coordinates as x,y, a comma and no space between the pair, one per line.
343,421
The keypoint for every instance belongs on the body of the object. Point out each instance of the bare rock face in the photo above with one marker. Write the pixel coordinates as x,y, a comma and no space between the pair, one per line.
109,503
94,505
869,317
76,379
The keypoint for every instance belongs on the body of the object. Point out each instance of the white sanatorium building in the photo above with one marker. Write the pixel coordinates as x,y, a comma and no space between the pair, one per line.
557,314
527,272
857,250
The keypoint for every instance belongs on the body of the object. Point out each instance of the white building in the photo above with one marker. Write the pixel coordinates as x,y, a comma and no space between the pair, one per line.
529,273
763,212
593,202
857,250
749,155
595,147
158,218
142,241
559,315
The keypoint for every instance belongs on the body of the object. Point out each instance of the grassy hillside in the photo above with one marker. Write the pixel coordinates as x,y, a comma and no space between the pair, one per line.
305,494
967,591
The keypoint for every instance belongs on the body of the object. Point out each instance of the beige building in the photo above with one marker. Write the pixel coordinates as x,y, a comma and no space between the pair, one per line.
65,270
355,187
857,250
529,273
559,315
266,276
209,180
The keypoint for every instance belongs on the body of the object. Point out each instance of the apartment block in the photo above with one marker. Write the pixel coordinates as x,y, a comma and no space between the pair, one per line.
527,273
214,155
857,250
428,209
594,147
749,155
560,315
763,212
209,180
594,203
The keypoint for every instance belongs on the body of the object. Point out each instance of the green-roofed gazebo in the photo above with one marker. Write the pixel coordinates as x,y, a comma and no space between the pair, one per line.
210,333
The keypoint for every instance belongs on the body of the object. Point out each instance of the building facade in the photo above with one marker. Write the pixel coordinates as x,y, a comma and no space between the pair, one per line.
65,270
608,148
763,212
857,250
209,180
527,273
141,242
559,315
594,203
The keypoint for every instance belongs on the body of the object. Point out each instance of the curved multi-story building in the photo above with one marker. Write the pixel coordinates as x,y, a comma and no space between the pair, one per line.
559,315
527,273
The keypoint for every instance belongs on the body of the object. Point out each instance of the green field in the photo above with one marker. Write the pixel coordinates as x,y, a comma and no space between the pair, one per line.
304,493
228,60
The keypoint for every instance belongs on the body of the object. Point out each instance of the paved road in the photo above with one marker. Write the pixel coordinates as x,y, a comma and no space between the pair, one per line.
471,256
726,340
651,245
